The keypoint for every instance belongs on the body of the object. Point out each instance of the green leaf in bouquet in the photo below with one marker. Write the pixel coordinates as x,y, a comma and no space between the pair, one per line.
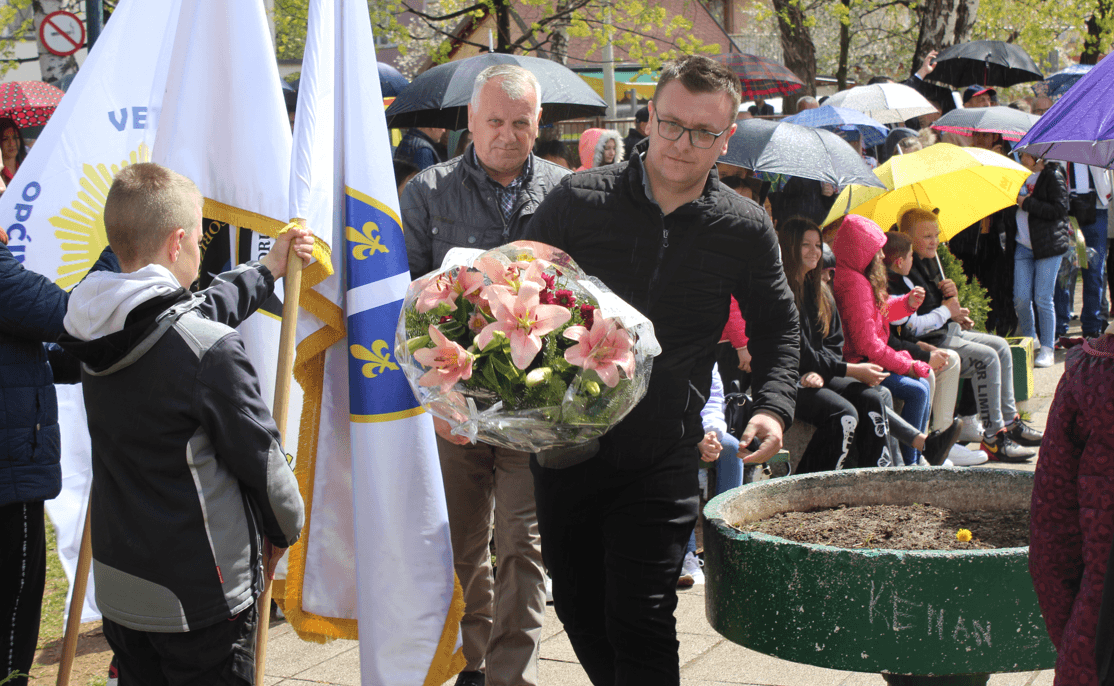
417,343
505,367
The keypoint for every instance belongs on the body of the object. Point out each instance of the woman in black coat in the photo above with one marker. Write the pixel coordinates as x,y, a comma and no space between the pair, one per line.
1042,237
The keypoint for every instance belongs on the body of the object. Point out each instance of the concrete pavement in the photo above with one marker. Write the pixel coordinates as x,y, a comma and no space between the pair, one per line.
707,659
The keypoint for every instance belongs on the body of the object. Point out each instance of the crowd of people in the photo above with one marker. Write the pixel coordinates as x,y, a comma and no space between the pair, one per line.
878,323
832,326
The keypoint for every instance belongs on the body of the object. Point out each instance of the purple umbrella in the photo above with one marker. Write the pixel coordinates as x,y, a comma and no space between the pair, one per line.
1080,126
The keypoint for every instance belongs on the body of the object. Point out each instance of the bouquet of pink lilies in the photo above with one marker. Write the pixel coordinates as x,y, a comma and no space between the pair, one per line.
518,347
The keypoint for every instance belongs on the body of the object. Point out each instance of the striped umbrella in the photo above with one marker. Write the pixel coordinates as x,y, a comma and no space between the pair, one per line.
1011,124
761,78
29,103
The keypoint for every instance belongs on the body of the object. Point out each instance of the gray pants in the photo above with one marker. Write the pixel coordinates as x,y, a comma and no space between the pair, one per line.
502,623
986,360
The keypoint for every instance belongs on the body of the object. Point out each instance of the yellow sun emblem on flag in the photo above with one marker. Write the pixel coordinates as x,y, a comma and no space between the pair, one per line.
81,225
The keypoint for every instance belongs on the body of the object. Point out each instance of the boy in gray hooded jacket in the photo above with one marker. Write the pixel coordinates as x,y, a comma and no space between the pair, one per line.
189,479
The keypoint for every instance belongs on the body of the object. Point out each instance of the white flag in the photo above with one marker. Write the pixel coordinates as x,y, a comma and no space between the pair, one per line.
367,452
193,86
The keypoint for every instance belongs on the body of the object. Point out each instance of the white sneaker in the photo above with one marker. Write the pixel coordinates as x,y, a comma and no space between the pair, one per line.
947,463
1045,358
972,431
961,456
691,572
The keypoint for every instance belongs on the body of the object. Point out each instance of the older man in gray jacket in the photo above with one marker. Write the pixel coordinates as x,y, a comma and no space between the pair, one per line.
484,199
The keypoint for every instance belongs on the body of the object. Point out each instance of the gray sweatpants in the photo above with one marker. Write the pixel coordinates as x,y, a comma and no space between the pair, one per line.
985,359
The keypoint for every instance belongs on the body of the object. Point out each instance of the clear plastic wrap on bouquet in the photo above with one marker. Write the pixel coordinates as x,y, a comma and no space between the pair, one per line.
517,347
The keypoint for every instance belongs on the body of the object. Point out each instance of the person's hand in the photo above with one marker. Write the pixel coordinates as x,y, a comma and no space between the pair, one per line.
927,65
812,380
948,288
954,308
1021,200
275,260
271,557
916,297
965,322
938,360
744,358
710,447
920,370
867,372
768,430
446,432
827,190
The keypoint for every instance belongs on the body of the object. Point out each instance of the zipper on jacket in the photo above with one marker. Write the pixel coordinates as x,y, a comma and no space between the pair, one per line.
661,250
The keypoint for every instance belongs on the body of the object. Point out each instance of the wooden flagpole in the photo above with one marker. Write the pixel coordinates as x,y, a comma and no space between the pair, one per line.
77,602
283,378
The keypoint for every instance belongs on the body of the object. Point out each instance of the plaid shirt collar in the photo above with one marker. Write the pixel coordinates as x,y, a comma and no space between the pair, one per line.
507,195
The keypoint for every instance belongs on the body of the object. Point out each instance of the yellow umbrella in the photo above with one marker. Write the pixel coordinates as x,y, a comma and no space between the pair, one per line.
645,90
964,184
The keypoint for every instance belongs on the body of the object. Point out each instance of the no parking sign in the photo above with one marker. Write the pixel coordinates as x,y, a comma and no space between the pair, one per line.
62,33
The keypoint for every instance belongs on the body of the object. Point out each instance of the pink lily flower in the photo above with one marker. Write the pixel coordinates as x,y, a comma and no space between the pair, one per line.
512,276
523,319
446,288
448,362
605,348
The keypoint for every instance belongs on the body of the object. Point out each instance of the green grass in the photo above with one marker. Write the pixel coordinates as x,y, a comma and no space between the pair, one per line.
51,627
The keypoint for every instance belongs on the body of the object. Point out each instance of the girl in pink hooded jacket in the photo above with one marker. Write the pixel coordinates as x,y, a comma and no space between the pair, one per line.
599,147
866,310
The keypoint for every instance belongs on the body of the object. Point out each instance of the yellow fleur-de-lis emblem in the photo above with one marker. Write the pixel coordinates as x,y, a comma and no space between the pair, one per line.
378,358
366,241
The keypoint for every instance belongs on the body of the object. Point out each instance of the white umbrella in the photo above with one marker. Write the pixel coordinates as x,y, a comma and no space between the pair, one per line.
884,102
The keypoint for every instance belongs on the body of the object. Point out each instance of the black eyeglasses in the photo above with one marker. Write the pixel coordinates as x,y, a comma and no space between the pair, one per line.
671,131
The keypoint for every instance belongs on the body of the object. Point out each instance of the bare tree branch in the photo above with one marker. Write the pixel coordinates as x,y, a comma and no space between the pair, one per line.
446,17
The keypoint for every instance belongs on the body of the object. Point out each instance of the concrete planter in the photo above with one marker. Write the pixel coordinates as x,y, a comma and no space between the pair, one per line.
930,613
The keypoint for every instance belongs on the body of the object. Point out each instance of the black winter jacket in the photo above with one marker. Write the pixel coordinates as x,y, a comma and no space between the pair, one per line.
679,270
819,353
31,314
1049,228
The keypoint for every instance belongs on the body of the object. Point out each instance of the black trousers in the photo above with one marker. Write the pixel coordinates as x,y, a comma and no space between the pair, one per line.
845,413
222,653
22,579
613,541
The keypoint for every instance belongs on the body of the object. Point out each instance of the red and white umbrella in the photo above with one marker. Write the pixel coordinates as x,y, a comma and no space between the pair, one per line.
29,103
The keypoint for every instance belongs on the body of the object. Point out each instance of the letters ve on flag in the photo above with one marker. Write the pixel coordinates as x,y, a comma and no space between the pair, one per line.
367,452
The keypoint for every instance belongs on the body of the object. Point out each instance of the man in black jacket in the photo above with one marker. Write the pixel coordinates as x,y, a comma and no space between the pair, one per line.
665,236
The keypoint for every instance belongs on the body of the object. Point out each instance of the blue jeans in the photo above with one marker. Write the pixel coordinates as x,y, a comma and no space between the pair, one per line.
729,474
1033,284
1094,235
914,393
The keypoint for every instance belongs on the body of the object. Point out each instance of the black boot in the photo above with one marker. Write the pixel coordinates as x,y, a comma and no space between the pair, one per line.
939,443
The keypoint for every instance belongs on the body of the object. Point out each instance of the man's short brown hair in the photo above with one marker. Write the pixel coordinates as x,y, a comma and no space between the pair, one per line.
146,203
700,74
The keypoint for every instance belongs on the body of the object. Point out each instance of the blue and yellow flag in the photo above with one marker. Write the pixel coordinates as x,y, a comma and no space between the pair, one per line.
367,456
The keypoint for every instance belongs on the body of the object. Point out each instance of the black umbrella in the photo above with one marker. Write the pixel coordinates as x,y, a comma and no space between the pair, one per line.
439,97
780,148
986,63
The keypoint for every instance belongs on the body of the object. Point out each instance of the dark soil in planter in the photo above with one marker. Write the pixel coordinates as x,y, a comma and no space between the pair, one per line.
921,526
